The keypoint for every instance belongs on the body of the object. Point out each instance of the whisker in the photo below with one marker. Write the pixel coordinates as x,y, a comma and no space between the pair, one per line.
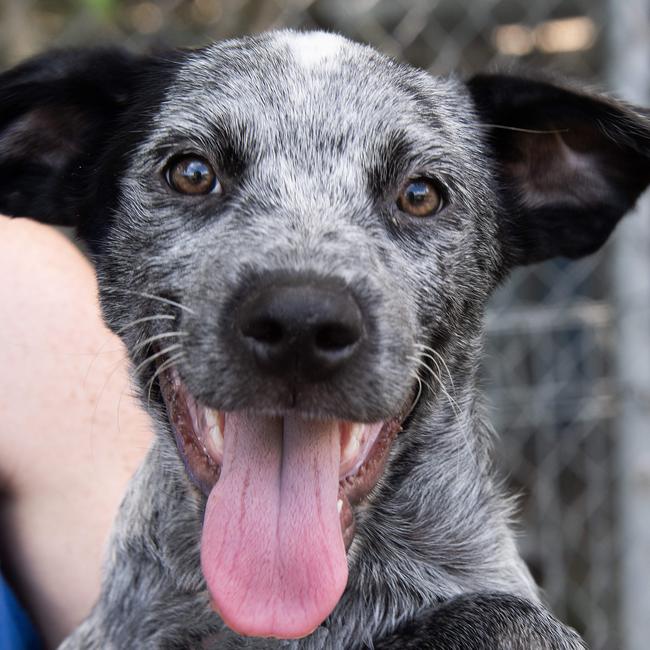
163,366
522,130
158,337
417,397
144,319
422,365
438,379
452,402
119,331
155,356
167,301
429,349
435,361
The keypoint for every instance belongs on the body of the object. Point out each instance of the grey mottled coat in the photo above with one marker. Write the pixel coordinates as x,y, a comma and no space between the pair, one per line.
314,136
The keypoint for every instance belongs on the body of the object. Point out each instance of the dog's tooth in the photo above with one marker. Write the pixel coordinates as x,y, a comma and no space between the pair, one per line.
214,423
210,417
339,505
217,440
353,444
351,449
358,430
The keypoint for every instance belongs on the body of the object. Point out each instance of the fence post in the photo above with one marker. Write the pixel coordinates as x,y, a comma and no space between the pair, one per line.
629,76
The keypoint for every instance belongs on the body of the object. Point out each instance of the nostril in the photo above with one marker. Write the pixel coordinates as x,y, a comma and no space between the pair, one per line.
335,337
264,330
299,330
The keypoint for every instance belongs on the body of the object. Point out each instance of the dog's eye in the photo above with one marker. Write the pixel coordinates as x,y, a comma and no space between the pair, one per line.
420,197
192,175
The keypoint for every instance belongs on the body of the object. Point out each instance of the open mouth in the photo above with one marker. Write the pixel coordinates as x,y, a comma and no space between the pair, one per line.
282,492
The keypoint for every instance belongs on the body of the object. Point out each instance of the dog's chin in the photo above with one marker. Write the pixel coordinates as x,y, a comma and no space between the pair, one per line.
282,491
199,433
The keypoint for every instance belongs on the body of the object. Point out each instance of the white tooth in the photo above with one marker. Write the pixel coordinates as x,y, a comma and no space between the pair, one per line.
354,442
357,431
210,417
212,420
339,505
217,439
351,449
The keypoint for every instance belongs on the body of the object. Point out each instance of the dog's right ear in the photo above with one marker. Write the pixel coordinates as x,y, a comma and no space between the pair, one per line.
56,113
570,164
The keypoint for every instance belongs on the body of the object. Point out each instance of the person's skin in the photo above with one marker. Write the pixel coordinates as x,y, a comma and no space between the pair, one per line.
71,434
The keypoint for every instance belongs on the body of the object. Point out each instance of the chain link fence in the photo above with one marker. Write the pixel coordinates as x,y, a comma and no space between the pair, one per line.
556,332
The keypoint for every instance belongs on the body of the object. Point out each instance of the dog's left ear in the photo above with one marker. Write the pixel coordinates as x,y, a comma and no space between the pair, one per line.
57,112
570,164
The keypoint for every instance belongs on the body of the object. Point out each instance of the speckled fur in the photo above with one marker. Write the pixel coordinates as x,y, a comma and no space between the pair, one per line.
321,144
437,526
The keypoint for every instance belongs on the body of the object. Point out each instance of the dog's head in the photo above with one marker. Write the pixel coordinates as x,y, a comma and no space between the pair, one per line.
288,229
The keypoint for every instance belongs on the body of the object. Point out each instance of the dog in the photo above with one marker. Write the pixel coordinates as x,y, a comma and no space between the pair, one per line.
296,238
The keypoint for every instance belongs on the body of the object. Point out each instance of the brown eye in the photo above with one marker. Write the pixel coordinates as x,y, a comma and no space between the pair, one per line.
192,175
420,197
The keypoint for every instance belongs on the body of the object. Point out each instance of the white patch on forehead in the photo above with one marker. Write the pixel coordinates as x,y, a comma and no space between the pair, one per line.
315,48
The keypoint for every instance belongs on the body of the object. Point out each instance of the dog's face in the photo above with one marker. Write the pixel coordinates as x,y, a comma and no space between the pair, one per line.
287,230
320,224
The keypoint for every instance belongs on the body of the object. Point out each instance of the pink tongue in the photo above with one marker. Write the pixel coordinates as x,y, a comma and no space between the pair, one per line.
272,551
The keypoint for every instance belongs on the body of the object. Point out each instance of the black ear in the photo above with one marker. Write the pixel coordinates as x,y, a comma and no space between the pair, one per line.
570,163
56,112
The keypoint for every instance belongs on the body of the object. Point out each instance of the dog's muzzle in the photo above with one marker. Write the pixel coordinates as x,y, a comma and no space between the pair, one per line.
281,487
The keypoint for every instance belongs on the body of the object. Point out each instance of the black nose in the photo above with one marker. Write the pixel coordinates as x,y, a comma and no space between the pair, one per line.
306,331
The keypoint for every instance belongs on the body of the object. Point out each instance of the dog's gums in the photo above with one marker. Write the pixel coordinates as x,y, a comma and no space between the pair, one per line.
345,459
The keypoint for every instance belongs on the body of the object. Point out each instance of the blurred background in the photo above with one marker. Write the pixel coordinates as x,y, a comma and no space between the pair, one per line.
567,368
